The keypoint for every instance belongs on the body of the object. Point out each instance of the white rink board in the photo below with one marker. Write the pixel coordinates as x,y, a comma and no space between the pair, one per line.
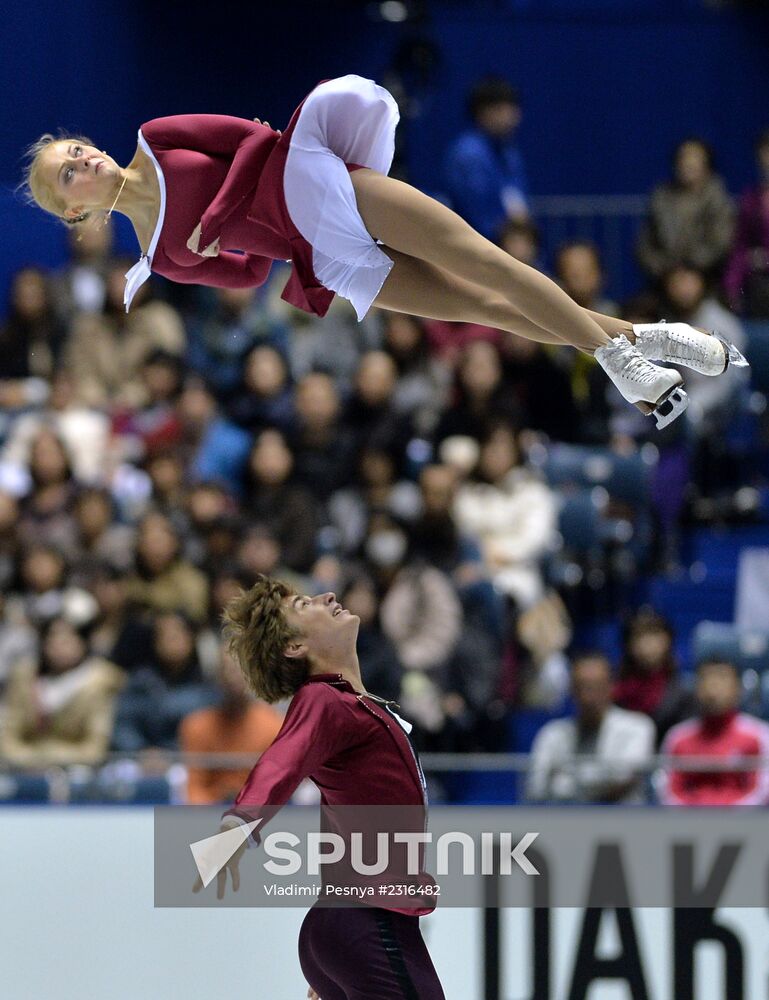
77,919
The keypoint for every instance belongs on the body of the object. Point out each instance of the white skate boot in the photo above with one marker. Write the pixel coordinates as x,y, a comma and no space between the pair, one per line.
655,390
681,344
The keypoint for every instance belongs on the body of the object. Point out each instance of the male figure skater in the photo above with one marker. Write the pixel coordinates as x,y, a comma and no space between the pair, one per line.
356,749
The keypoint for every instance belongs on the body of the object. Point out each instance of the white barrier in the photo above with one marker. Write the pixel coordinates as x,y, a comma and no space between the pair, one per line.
77,922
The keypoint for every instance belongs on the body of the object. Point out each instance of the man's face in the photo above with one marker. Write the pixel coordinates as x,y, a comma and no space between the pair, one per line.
718,689
326,629
591,689
499,119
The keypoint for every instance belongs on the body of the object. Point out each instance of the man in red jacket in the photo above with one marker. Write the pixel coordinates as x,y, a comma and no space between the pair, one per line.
356,749
720,730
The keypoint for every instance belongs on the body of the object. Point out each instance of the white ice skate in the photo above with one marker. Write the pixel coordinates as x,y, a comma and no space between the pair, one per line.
681,344
655,390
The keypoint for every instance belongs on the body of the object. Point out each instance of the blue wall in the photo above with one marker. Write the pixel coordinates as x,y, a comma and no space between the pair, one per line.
608,85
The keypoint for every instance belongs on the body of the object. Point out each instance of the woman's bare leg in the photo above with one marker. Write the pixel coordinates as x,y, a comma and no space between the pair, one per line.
417,225
420,289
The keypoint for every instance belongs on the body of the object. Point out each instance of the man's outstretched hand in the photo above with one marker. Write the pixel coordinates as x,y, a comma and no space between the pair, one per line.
231,866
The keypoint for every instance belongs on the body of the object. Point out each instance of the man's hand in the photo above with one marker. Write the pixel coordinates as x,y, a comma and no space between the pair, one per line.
312,995
193,242
231,866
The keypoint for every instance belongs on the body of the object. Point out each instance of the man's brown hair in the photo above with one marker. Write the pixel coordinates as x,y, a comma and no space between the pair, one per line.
256,633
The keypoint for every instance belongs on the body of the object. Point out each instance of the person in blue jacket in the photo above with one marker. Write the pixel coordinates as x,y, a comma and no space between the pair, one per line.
485,174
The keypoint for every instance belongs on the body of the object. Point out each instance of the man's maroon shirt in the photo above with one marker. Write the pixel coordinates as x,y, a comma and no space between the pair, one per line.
349,745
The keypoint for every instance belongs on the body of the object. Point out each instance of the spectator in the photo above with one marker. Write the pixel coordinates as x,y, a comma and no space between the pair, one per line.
482,396
512,513
30,340
598,756
260,552
711,400
718,730
168,490
84,431
214,448
580,273
9,539
214,527
153,423
220,338
162,580
371,411
377,486
287,508
42,583
746,281
485,176
422,381
60,707
690,218
161,693
118,633
47,510
421,615
323,446
80,286
540,384
18,641
239,724
521,239
648,674
264,395
105,351
99,537
474,668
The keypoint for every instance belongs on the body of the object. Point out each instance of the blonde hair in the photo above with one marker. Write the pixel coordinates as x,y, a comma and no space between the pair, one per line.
36,190
256,633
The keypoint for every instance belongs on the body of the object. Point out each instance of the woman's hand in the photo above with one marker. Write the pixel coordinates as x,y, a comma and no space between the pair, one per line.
212,250
312,995
267,125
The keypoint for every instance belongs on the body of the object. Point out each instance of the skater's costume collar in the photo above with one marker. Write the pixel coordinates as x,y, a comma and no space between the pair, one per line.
142,269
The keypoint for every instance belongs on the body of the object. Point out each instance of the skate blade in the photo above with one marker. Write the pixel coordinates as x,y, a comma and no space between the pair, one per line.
671,407
733,356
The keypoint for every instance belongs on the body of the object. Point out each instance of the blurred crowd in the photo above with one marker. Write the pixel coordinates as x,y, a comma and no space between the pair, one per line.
152,463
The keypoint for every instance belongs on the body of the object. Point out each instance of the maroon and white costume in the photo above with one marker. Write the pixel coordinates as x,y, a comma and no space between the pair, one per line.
273,197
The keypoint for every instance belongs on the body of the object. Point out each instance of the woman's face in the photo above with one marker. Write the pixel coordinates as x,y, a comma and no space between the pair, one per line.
480,370
376,468
265,372
82,176
375,378
402,333
650,649
157,544
29,295
498,456
271,461
42,571
691,164
48,460
93,515
174,641
63,648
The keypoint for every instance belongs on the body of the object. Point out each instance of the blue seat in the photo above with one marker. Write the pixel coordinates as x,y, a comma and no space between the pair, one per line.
624,477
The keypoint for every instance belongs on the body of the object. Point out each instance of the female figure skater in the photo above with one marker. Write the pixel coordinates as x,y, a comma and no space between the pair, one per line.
202,186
